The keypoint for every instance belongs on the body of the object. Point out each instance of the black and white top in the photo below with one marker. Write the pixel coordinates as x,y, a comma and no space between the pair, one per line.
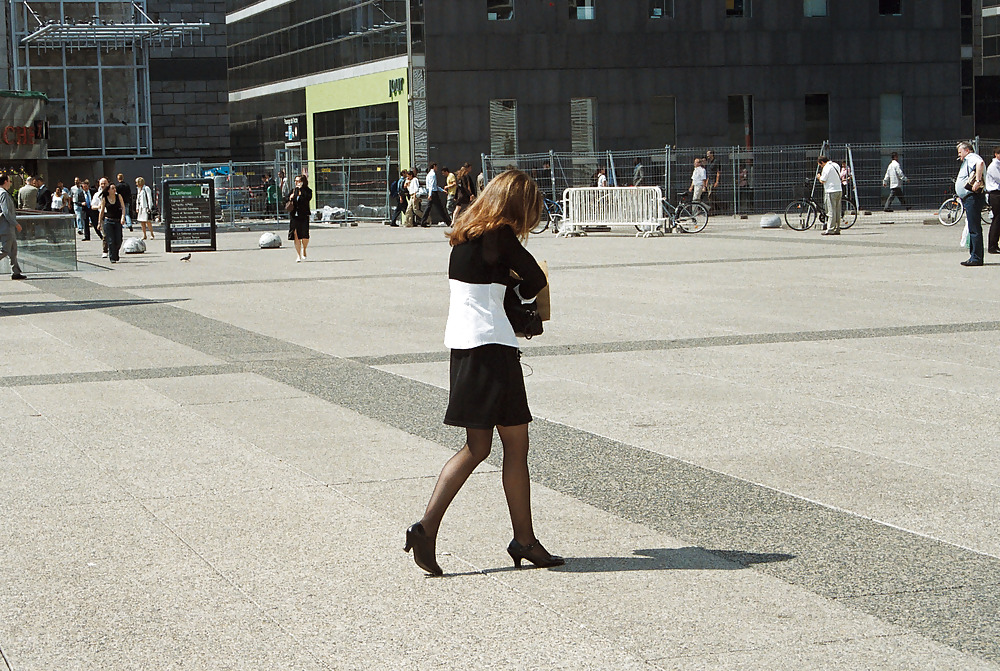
479,273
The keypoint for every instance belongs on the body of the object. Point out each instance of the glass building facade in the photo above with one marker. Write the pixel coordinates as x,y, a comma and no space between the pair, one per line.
275,53
98,95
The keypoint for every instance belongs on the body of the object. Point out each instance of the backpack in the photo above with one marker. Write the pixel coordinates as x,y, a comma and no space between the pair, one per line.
394,189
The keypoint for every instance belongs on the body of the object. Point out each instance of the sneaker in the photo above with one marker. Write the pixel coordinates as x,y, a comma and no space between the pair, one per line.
104,255
18,276
298,259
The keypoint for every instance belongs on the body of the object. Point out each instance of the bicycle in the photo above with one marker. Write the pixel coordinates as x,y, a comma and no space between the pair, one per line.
802,214
689,217
552,215
952,211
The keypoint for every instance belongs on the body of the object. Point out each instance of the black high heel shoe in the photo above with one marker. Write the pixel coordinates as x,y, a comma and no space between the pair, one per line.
423,549
534,553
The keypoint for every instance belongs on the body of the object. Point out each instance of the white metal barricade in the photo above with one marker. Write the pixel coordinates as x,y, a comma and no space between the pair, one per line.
637,206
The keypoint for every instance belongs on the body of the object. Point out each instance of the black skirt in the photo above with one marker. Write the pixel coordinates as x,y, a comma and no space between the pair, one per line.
487,388
298,225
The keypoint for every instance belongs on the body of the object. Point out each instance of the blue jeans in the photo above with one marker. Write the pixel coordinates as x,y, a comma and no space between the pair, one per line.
81,218
974,216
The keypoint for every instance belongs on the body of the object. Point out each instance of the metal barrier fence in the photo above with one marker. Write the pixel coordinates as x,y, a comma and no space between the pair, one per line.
344,190
760,179
639,207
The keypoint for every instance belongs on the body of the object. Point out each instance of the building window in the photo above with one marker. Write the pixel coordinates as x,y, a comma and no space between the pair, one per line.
817,118
583,124
581,10
814,7
891,118
741,120
737,7
968,87
500,10
890,7
503,127
661,9
663,121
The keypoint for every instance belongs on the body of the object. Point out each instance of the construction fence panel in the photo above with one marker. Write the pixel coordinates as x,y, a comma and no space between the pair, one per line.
755,180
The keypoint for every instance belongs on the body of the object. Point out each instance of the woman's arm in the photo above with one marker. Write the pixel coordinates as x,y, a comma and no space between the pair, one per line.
517,258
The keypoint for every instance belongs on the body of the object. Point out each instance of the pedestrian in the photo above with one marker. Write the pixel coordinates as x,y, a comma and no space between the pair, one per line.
845,180
713,175
298,219
144,206
829,175
699,180
602,178
450,186
112,216
44,196
993,196
96,199
125,191
27,195
78,203
398,197
969,187
465,190
9,228
487,387
894,179
480,182
637,173
90,214
56,203
413,213
436,206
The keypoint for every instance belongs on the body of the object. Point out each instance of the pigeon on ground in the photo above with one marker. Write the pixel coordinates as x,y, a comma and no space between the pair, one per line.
186,257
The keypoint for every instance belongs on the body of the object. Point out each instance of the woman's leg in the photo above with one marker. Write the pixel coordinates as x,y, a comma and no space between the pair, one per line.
516,481
298,245
454,474
305,244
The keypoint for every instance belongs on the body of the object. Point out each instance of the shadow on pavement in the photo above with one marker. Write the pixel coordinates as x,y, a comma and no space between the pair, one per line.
659,559
23,308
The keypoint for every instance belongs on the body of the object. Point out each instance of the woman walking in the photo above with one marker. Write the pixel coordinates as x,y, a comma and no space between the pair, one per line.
298,230
144,206
487,387
465,190
112,216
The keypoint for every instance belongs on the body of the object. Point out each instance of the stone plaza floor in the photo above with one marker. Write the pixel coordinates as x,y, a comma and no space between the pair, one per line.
758,449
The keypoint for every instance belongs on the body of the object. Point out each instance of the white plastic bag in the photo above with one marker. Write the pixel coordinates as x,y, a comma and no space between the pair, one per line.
966,240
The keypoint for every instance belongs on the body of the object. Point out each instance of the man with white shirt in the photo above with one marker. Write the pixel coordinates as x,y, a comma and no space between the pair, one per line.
699,180
993,195
829,175
9,228
894,179
969,187
436,211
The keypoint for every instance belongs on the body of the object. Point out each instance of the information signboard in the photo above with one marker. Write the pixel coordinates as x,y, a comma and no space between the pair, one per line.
189,214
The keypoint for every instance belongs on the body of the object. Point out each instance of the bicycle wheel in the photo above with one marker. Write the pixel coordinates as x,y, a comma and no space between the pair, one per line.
692,217
849,215
801,215
951,212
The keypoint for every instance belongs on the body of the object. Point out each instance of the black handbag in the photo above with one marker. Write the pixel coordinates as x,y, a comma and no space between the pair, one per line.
523,317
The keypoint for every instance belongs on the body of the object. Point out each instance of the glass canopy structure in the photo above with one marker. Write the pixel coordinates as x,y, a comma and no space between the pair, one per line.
92,60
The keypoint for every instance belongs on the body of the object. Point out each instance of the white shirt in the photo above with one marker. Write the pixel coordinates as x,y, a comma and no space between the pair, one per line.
432,182
413,186
602,180
699,176
894,175
57,202
966,173
831,178
993,176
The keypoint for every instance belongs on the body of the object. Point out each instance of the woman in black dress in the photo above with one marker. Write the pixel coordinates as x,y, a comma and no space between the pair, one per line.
298,230
112,216
487,387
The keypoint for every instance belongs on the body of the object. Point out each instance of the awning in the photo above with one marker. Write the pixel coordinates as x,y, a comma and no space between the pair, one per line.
110,34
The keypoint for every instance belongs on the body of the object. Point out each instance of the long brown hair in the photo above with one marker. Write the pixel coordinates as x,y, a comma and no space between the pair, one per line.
510,199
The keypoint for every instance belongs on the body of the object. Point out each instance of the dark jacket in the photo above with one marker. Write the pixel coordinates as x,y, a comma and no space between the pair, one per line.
302,199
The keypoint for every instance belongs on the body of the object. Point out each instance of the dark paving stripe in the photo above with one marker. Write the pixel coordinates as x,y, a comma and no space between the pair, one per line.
711,341
944,592
114,375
